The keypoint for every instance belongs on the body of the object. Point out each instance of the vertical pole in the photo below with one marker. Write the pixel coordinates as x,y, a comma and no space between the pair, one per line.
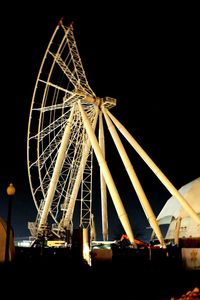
10,193
104,210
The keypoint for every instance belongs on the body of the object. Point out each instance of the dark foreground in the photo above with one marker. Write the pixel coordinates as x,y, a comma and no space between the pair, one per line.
60,274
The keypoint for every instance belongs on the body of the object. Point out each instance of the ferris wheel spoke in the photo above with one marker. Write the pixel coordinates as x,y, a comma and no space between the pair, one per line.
78,67
70,74
58,87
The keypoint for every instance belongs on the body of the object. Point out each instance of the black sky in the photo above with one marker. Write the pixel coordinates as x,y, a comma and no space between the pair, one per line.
145,57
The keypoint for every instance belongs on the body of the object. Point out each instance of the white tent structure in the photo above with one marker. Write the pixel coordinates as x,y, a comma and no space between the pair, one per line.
181,225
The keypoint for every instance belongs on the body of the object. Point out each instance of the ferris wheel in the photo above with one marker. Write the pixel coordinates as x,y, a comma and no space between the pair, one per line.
65,115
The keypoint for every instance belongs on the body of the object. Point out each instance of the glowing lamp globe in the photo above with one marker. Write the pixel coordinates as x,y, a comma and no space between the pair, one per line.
10,190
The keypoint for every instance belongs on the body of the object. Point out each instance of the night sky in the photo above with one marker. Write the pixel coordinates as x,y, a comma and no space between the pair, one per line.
145,57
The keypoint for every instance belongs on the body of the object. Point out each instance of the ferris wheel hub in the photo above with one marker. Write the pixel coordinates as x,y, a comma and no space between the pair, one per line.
109,102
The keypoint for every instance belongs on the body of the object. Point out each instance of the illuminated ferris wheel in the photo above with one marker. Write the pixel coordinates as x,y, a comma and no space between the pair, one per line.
65,131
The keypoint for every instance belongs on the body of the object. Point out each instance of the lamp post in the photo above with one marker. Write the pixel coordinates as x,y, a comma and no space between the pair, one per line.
10,192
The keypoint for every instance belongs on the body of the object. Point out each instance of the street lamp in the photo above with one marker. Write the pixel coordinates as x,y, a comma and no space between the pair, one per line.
10,192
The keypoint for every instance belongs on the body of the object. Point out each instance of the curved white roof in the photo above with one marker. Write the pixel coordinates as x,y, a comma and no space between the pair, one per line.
173,208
